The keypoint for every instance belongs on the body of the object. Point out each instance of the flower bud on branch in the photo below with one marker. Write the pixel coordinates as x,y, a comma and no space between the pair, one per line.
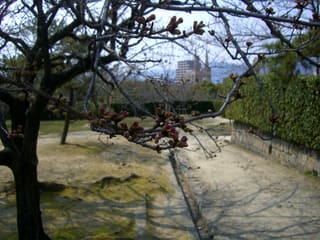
270,11
301,4
198,27
173,25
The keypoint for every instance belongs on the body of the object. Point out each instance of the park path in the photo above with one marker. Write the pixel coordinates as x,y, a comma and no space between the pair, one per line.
244,196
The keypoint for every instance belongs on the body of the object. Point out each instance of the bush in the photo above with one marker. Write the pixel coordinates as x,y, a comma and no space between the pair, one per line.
297,105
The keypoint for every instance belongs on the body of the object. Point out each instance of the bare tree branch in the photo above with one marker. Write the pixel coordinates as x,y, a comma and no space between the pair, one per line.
233,12
115,81
275,32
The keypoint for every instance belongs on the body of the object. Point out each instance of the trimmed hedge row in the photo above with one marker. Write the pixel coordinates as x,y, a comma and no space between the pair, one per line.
297,106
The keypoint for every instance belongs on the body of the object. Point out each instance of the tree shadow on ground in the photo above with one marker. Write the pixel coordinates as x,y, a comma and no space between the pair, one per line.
259,216
118,210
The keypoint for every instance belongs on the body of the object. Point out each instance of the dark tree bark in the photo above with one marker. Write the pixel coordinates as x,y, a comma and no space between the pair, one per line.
67,119
28,200
29,219
45,66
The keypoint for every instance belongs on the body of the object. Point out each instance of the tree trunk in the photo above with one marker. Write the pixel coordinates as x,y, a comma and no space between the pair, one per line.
28,200
29,220
67,119
65,129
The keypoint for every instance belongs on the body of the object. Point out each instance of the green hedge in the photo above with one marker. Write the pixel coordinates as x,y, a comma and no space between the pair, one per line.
297,104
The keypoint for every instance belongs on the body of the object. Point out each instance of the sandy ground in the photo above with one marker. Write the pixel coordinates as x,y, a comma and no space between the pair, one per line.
243,196
159,213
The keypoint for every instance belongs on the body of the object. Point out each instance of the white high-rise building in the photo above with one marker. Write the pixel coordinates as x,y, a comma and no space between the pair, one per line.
191,70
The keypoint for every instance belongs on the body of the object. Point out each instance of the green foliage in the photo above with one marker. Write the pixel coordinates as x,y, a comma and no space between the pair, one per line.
206,88
313,173
283,65
297,106
47,127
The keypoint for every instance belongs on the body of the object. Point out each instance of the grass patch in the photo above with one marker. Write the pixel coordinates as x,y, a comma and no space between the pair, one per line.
312,173
56,126
69,233
95,212
111,231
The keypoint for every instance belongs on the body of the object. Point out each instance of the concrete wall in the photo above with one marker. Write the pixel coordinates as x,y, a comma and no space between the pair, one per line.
276,149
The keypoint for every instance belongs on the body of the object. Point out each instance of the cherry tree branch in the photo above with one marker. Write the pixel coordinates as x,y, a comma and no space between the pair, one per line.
18,42
245,59
234,12
277,33
116,83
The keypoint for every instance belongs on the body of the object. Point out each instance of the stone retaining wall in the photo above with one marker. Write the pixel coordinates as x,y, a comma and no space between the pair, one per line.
277,149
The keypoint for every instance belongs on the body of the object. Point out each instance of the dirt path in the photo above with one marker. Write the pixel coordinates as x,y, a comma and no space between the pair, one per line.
244,196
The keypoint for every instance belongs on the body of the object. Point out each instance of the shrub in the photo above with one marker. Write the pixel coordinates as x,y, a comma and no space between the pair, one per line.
297,105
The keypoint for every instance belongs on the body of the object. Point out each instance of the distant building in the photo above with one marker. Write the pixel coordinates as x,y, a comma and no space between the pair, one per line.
184,70
192,71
